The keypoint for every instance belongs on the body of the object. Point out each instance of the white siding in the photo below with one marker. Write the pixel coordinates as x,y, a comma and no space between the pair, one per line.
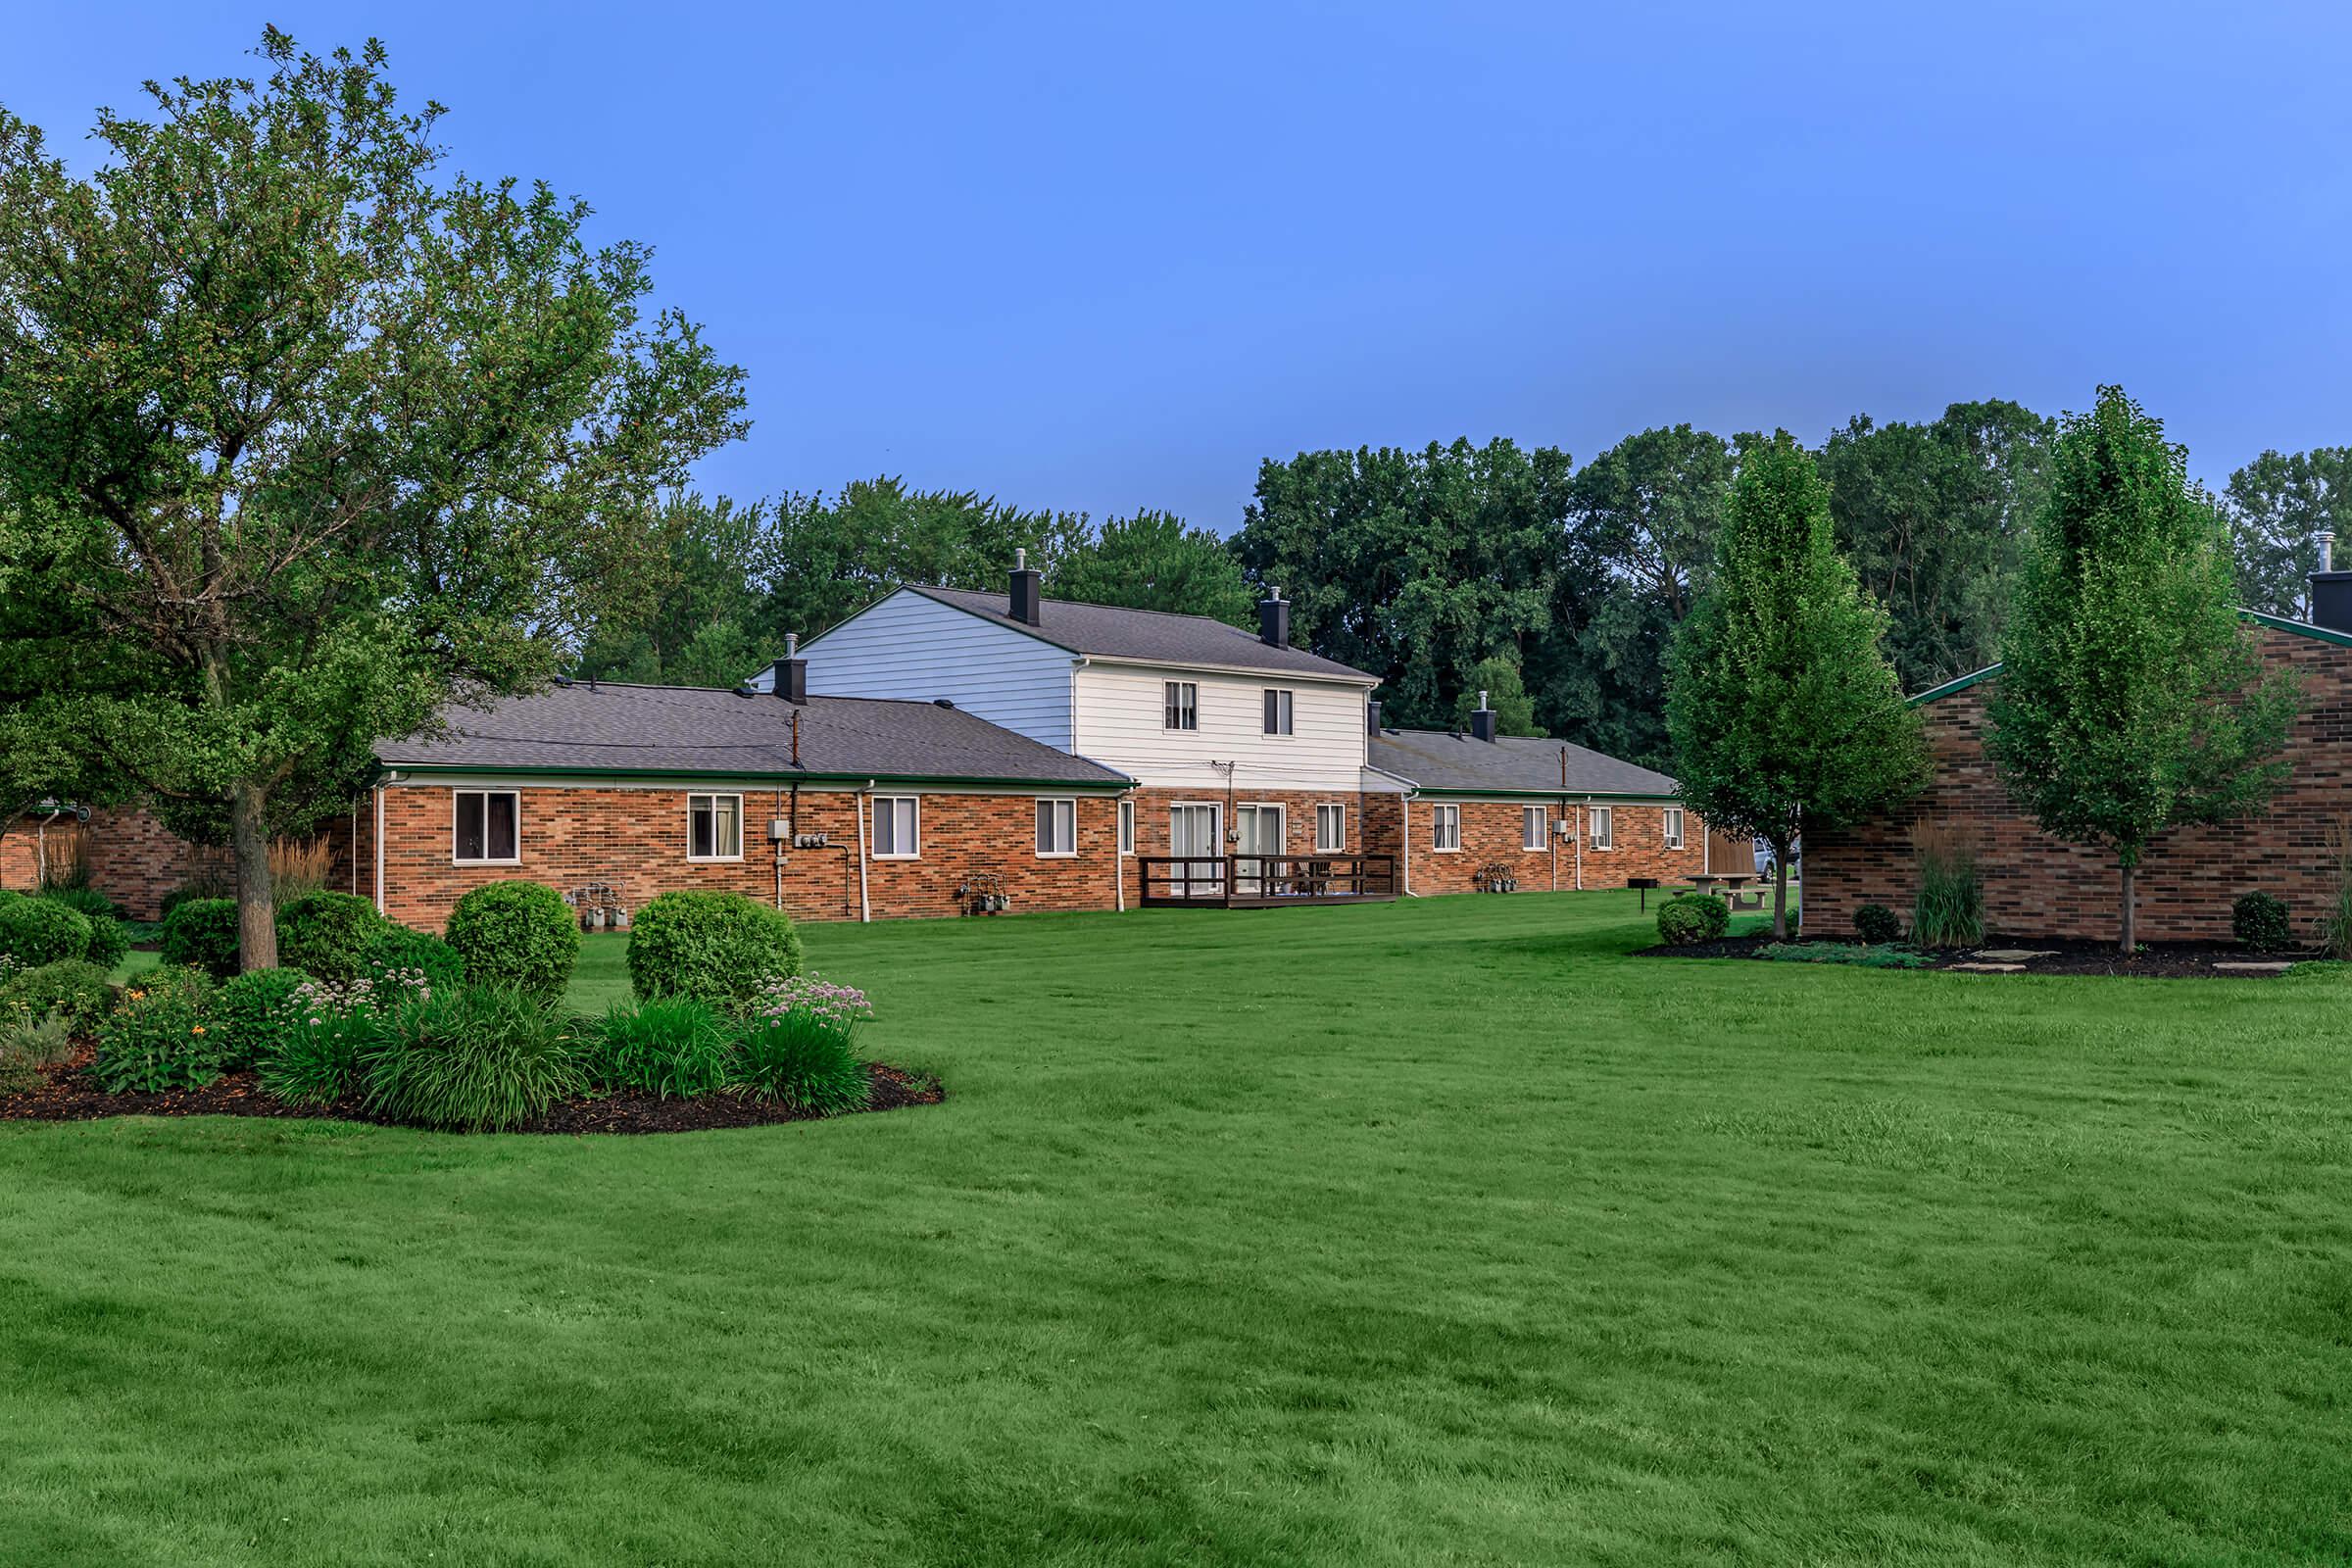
1120,724
912,646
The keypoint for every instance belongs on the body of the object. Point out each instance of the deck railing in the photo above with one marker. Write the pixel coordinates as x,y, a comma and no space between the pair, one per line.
1263,881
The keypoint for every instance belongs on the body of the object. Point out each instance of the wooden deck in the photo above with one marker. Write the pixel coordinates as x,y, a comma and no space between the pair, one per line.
1264,881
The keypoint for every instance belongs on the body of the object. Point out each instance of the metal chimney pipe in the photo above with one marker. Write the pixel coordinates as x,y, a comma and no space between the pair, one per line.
2327,550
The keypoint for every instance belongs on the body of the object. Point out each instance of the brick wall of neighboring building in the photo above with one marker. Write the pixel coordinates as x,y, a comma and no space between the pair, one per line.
635,838
135,861
2036,886
1495,831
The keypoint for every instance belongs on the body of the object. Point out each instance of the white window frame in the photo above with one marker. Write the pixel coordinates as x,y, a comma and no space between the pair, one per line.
1670,826
1180,706
455,858
1535,827
1338,812
713,795
879,802
1127,827
1278,710
1071,800
1603,820
1442,817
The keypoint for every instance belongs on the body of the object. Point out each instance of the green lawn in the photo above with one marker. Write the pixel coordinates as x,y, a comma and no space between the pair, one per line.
1431,1233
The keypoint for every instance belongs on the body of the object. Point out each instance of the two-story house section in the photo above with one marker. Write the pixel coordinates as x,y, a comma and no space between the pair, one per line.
1236,739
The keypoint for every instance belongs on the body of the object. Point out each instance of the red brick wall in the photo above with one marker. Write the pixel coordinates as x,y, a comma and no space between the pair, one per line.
1363,836
1494,831
635,838
2036,886
135,861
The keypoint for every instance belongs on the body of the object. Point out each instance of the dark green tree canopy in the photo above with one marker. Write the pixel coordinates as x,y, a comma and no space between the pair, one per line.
1784,710
2277,507
2132,696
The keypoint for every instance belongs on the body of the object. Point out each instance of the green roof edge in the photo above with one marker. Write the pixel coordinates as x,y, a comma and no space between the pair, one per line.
755,775
2260,618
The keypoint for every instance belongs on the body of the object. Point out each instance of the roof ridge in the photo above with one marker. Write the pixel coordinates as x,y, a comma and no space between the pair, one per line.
1096,604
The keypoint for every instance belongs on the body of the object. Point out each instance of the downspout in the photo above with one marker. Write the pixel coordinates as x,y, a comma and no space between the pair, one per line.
379,849
355,846
40,848
778,845
1404,818
865,908
1580,847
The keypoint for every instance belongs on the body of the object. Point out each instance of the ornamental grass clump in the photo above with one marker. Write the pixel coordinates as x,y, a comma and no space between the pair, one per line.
674,1048
2333,928
478,1058
1948,910
797,1046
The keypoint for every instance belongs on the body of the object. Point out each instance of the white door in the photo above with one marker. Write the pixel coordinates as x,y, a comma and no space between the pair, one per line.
1197,833
1260,829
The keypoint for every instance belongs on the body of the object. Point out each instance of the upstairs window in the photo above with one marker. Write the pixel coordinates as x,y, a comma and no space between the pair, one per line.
714,827
1445,827
1674,827
1278,712
486,828
1535,827
1605,827
1182,707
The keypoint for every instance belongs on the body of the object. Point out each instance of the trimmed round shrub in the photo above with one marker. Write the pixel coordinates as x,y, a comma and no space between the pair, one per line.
39,931
160,1036
255,1014
210,888
519,935
108,940
802,1060
672,1047
202,934
1689,918
2259,921
477,1059
399,959
73,988
720,947
1878,925
328,934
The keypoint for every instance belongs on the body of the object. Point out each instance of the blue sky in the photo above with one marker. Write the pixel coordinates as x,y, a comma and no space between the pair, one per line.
1106,257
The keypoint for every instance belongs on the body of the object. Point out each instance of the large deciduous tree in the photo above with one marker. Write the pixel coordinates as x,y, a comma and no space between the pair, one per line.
2131,695
311,439
1152,561
2278,505
1784,710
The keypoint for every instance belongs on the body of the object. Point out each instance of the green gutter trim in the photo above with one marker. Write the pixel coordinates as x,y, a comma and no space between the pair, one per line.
2259,617
1950,687
1439,792
689,776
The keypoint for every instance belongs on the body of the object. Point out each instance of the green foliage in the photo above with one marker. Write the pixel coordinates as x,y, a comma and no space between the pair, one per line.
1862,956
676,1048
1785,713
202,934
199,886
71,989
1497,677
2277,507
315,437
396,950
329,934
719,947
2333,928
81,897
316,1060
478,1058
1152,560
255,1014
2132,698
516,934
37,931
30,1041
1948,909
802,1058
110,940
1689,918
1877,925
2260,922
158,1036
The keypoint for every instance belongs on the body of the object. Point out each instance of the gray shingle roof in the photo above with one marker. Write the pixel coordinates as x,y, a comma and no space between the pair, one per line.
1437,761
1110,631
685,729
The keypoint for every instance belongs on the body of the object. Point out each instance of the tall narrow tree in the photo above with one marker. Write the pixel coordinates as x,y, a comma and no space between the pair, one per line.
2132,696
313,440
1783,708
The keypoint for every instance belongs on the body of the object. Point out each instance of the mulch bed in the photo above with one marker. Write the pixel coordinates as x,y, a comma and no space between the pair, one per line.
2156,960
68,1093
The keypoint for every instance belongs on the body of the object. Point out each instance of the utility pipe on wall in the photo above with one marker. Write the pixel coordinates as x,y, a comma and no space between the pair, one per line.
379,849
865,908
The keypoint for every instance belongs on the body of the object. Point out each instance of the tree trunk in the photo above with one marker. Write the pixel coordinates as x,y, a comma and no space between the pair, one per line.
2131,922
257,908
1780,893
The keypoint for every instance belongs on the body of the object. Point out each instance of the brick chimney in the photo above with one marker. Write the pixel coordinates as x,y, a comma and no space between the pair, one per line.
2330,590
1274,620
1482,723
792,672
1028,590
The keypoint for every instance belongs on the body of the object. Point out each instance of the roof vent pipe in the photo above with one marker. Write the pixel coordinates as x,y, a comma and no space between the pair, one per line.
1274,620
1482,723
1026,591
2330,590
792,672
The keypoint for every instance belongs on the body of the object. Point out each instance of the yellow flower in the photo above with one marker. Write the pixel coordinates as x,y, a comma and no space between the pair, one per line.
196,1029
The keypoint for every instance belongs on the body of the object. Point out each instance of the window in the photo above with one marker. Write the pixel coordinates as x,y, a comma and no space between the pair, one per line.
1674,827
1278,712
1331,828
1126,827
714,827
1603,827
1445,827
1535,827
1183,706
486,828
898,827
1056,828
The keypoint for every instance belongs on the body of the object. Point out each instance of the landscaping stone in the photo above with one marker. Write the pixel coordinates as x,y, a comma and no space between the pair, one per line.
2249,966
2016,955
1989,968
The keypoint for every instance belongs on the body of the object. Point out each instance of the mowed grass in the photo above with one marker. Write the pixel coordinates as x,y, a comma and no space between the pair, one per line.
1434,1233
